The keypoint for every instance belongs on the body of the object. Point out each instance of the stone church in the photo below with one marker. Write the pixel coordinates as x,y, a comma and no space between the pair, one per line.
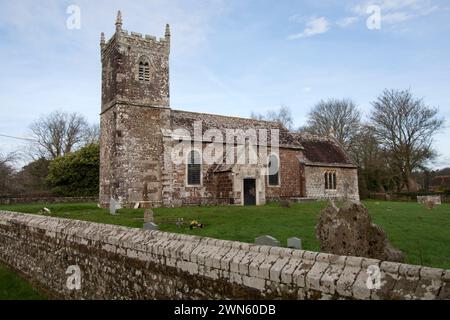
137,142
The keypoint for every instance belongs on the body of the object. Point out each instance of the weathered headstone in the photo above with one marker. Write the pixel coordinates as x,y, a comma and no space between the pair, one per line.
148,216
180,222
112,206
435,200
136,206
150,226
267,241
294,243
349,231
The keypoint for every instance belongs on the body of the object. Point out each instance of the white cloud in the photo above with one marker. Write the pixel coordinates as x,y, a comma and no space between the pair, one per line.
399,4
307,89
298,18
391,5
314,27
398,11
347,21
396,17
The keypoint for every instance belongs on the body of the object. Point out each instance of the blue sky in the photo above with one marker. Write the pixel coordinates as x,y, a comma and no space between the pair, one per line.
228,57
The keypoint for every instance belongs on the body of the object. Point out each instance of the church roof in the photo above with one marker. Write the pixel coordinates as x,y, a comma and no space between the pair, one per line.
185,120
440,181
323,151
318,151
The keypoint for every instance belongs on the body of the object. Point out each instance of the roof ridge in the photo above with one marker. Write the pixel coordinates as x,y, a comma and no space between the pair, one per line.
227,116
310,136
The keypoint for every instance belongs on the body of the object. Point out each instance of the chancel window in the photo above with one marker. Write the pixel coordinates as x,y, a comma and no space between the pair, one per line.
144,71
274,168
194,168
330,180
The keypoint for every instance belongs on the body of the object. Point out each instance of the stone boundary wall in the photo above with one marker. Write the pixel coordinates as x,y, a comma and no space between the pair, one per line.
125,263
402,197
26,200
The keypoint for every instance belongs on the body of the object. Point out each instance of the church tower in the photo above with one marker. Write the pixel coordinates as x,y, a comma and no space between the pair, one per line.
135,107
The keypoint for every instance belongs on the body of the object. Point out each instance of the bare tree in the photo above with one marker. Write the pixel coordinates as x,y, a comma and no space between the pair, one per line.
405,126
92,134
58,133
8,158
341,118
282,116
6,173
375,171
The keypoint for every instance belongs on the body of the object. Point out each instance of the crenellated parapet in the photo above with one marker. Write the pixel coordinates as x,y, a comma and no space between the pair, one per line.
127,37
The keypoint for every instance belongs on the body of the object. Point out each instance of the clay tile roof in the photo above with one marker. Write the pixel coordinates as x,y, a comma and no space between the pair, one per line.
185,120
323,150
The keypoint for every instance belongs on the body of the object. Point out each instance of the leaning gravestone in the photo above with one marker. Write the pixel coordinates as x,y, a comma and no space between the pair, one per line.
267,241
349,231
150,226
294,243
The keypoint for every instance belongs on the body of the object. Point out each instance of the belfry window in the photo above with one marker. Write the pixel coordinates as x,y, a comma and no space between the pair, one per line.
144,71
194,169
330,180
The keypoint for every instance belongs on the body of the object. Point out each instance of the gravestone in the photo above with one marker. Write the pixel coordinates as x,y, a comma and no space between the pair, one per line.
349,231
150,226
180,222
148,216
112,206
435,200
267,241
294,243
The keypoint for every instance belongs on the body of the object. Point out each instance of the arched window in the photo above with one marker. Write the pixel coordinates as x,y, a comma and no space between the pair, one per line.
330,180
144,70
334,181
274,170
194,169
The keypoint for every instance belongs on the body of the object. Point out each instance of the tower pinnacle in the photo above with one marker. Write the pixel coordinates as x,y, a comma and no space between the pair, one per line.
119,21
167,34
102,38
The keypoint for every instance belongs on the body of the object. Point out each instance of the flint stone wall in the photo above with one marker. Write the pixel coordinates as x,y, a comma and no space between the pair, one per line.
346,183
25,200
125,263
403,197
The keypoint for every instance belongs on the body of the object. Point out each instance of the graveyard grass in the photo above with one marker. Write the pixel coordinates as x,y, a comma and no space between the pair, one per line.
13,287
422,234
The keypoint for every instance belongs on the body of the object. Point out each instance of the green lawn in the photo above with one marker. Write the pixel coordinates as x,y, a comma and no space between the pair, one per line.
422,234
13,287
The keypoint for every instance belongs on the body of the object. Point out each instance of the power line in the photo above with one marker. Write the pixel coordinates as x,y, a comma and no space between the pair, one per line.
18,138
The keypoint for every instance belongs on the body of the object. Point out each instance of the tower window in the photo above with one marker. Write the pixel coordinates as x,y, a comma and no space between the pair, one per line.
144,71
194,169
